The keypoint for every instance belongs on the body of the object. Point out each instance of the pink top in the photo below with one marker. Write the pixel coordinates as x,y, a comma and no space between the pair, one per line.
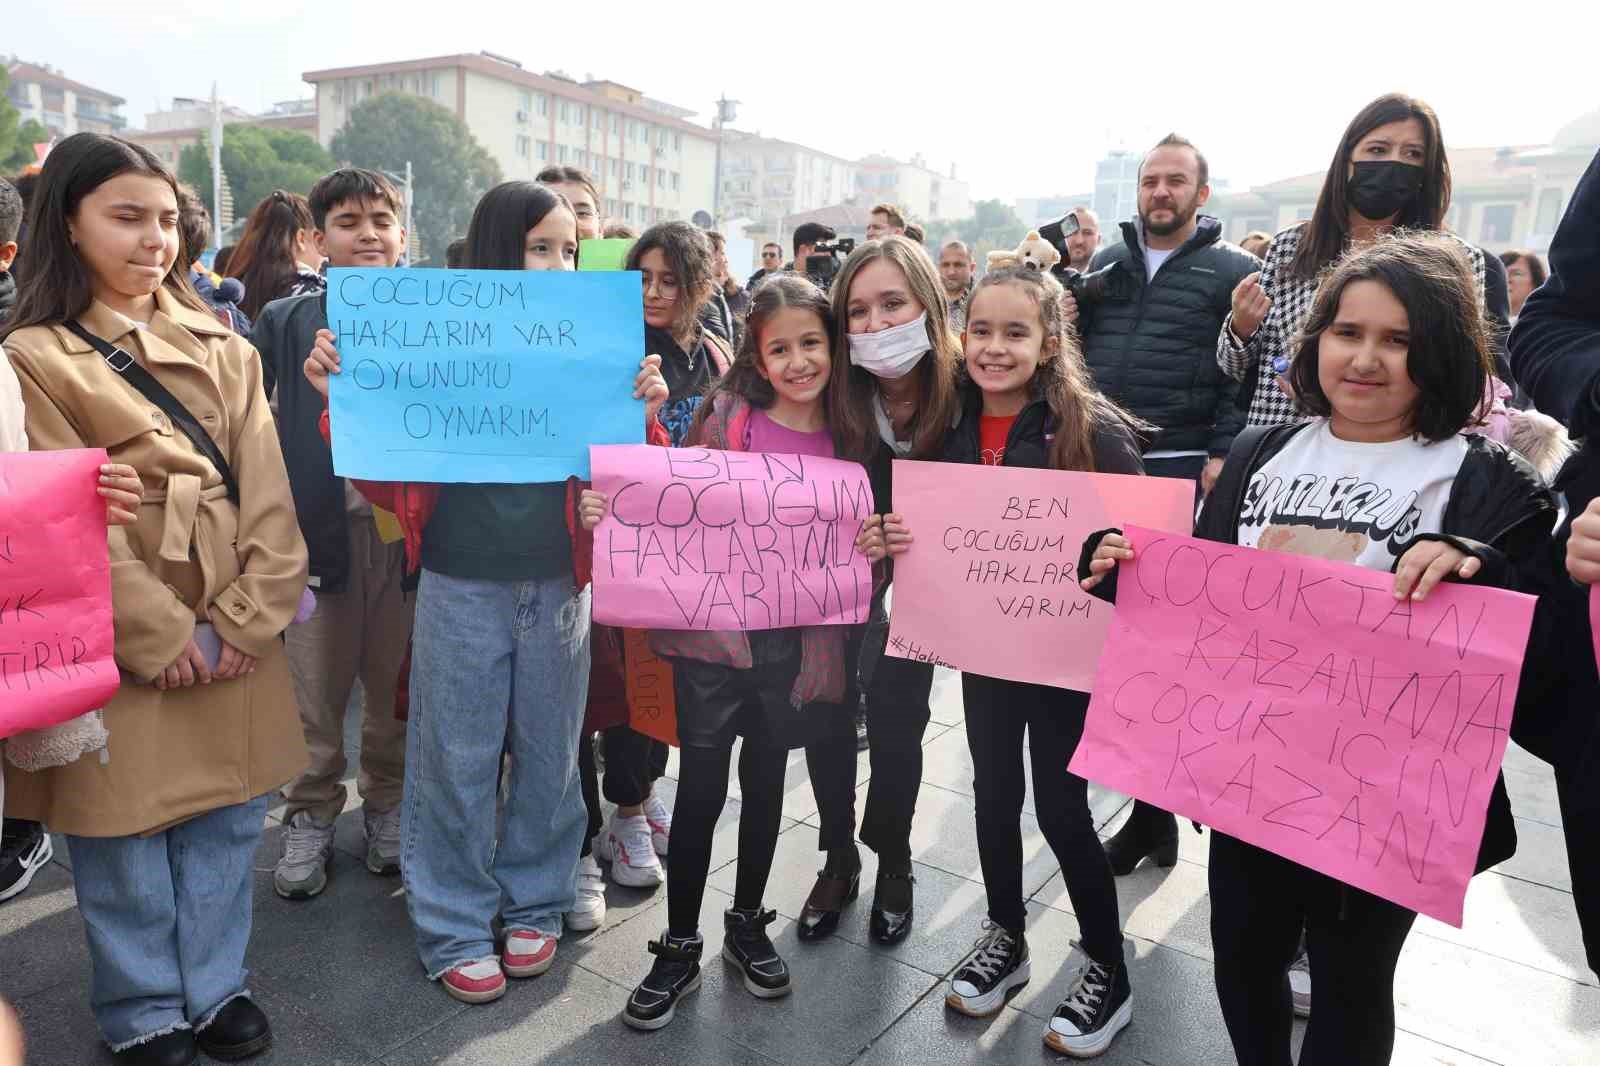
768,436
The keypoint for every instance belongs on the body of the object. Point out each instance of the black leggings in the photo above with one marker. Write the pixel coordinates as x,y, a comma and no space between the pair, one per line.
1259,904
998,714
897,717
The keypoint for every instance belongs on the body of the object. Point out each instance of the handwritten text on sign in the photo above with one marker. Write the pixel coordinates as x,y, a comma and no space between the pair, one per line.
705,539
991,584
482,375
1295,704
55,590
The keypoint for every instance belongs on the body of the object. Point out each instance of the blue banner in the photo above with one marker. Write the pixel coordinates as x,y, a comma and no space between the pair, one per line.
502,376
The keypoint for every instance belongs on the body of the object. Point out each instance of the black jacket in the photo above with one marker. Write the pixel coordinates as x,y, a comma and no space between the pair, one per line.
8,294
283,334
1154,352
1116,451
1500,511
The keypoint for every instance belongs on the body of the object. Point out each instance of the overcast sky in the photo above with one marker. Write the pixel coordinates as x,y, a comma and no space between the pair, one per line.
1022,97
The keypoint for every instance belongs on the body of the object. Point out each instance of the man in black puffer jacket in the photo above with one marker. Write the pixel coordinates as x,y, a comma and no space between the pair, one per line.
1150,342
1146,342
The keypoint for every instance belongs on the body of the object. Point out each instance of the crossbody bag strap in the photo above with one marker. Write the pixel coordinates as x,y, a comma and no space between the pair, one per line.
129,370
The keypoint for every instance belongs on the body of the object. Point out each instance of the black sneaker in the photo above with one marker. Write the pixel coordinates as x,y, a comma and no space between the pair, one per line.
674,974
995,971
1098,1006
25,849
745,944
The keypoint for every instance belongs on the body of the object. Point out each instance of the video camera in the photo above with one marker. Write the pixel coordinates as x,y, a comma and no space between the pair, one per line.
823,263
1087,287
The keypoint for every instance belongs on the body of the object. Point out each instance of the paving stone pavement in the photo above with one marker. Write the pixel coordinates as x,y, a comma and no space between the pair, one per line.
341,980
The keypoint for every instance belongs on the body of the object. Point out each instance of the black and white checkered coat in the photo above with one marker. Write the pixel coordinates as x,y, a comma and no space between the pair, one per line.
1291,297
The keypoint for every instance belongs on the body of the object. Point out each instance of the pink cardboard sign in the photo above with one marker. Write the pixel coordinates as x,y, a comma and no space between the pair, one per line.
1293,703
991,583
696,538
55,590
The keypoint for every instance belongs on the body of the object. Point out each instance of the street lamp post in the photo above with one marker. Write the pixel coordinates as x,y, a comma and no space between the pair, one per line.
725,114
406,180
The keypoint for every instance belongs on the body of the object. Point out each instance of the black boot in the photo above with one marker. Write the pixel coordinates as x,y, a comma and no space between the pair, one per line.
745,944
838,883
674,974
1149,831
892,910
238,1031
176,1048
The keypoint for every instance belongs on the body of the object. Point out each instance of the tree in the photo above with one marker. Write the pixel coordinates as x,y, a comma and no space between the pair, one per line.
17,138
255,160
450,169
993,225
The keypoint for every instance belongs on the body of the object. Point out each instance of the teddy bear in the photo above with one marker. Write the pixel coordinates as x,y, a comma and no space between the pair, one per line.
1034,253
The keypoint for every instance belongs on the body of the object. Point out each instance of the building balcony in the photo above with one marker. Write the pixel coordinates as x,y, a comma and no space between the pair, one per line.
116,122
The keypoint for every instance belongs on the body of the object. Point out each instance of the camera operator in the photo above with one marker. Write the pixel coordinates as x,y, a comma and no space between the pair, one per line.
1084,242
1148,313
807,236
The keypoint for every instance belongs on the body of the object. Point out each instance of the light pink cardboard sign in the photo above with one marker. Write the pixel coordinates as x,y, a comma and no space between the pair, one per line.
991,583
1295,704
56,639
696,538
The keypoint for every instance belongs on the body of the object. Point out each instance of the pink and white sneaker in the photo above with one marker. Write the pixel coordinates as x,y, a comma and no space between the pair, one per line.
660,822
626,844
475,982
527,953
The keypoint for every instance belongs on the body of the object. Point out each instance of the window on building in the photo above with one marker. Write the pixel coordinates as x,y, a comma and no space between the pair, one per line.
627,212
633,130
633,170
525,101
1548,216
644,174
616,168
611,207
544,151
616,125
661,178
597,119
1497,222
561,153
524,146
677,142
544,104
674,181
661,139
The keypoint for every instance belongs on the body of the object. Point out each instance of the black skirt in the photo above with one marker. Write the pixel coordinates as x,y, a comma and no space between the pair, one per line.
717,703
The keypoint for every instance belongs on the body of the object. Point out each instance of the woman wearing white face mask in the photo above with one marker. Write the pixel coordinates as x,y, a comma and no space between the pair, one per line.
897,400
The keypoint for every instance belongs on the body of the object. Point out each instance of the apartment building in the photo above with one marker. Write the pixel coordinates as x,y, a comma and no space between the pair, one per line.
649,162
921,193
766,179
169,131
59,104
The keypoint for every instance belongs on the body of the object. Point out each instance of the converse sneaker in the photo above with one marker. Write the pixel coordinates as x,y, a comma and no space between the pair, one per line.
674,974
997,968
745,944
383,839
475,982
625,844
1098,1007
307,846
23,853
527,953
660,819
1300,985
589,908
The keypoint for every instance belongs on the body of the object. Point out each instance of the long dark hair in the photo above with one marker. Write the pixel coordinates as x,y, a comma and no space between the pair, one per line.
855,391
688,255
264,257
501,221
1449,357
744,378
57,287
1062,379
1326,235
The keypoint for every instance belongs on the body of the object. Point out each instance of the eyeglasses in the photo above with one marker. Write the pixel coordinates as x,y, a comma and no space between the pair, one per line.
667,290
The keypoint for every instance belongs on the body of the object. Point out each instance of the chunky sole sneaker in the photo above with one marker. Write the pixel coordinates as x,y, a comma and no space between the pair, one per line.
984,1004
383,841
25,866
633,860
302,871
674,974
660,822
1088,1045
589,905
651,1023
527,953
475,982
746,945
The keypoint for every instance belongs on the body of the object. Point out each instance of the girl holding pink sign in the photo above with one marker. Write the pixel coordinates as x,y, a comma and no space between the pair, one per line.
1393,360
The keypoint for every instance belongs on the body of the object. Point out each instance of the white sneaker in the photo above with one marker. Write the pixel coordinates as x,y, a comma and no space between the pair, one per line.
625,844
302,872
383,839
1300,985
660,819
589,909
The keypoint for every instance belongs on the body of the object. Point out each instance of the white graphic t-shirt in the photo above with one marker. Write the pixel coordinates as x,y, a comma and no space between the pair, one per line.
1347,501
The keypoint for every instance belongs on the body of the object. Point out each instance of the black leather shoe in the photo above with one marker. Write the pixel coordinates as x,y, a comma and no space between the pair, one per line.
820,916
239,1031
892,926
1153,834
176,1048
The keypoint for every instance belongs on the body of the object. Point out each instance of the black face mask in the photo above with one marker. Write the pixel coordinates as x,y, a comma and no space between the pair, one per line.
1379,189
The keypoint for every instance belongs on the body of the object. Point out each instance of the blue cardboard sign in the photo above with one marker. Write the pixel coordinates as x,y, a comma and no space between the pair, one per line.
487,376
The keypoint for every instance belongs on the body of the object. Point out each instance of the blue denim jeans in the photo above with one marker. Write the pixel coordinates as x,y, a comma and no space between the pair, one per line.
168,919
496,666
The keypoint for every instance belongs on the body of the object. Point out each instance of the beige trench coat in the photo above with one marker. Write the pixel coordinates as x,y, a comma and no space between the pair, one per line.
192,556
